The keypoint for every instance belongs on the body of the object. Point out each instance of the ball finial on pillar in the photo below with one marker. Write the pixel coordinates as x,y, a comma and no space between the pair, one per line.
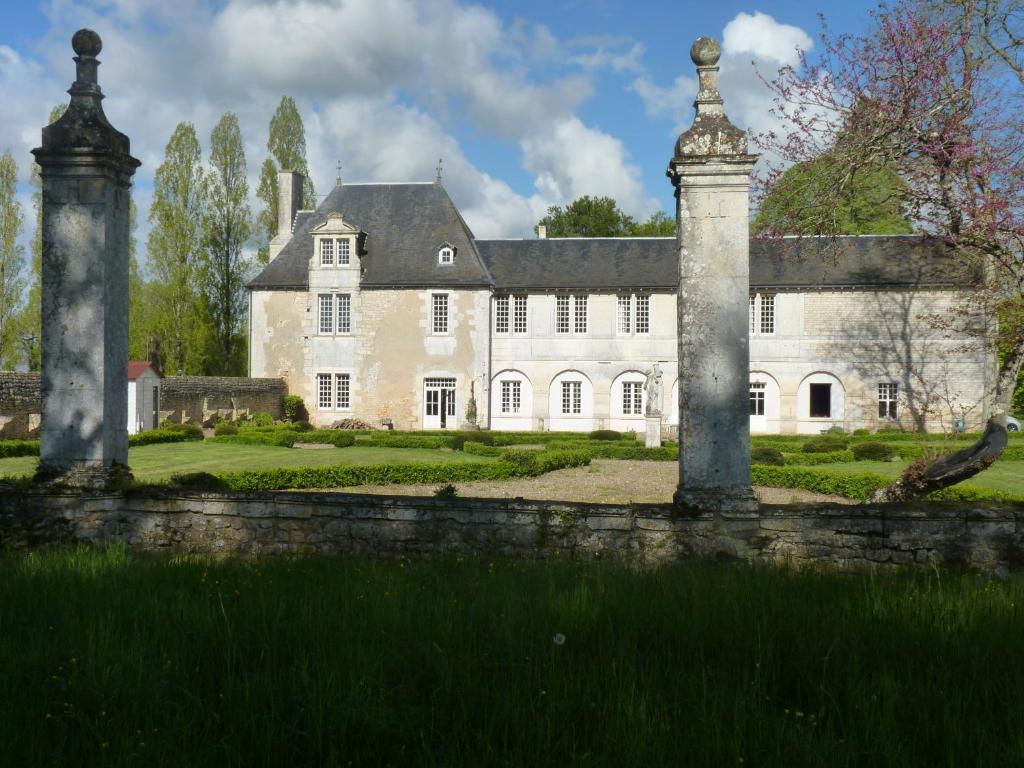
86,43
705,52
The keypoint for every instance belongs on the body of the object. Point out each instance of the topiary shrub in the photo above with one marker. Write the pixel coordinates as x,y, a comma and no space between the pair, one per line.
447,491
771,456
825,444
605,434
295,408
874,451
262,419
225,428
861,432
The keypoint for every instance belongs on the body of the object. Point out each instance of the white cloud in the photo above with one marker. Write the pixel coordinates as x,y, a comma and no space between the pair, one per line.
761,36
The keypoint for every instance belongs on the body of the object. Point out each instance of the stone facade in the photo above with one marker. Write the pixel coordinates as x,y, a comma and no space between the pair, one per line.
986,537
20,405
200,399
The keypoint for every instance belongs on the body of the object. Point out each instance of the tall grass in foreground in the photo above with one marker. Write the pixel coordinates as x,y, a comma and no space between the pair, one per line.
106,659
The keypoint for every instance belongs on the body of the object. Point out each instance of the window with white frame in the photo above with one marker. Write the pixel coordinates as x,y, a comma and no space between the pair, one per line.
561,314
757,389
580,325
519,314
642,313
344,302
762,314
446,255
632,398
625,323
326,252
439,312
343,391
323,391
572,398
511,396
325,323
501,314
888,395
344,249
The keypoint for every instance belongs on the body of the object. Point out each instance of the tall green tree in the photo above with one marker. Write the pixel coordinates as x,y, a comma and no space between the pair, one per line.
12,262
601,217
174,248
31,320
227,227
871,203
287,146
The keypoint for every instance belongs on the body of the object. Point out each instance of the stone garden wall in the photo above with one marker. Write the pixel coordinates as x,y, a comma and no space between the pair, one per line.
987,537
199,399
20,405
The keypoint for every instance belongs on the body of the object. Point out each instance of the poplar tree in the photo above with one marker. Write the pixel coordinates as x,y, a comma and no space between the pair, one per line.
227,227
12,261
287,146
174,247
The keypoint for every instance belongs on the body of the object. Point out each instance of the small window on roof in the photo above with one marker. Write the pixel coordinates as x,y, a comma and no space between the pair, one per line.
446,255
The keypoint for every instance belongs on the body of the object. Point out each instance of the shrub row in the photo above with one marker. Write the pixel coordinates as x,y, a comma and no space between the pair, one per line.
812,459
180,434
339,476
286,438
11,448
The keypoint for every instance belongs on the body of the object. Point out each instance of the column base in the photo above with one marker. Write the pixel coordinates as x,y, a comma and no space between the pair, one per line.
715,499
653,436
85,477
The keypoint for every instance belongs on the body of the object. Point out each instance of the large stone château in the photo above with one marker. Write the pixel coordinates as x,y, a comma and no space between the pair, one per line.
382,305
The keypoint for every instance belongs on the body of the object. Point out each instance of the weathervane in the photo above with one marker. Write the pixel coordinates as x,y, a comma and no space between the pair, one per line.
337,181
440,163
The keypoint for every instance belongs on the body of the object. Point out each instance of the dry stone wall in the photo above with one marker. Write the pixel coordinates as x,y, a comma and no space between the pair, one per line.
984,537
20,405
200,399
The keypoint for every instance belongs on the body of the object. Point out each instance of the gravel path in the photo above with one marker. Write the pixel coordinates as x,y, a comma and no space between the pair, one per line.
604,481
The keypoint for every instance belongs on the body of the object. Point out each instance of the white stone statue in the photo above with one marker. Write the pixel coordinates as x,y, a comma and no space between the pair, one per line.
652,388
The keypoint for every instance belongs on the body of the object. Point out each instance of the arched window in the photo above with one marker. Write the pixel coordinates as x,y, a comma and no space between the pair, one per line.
764,403
571,402
511,401
821,402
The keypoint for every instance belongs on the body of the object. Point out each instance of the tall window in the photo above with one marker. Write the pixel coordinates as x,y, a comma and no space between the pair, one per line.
642,323
888,394
326,313
511,396
561,314
501,314
572,397
343,252
323,390
632,398
519,314
326,253
762,314
625,320
439,312
580,326
344,302
342,390
757,389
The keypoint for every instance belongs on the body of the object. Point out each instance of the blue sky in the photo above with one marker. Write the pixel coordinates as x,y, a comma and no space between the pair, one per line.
530,103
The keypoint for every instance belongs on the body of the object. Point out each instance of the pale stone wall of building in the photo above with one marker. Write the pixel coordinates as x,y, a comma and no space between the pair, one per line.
987,537
277,335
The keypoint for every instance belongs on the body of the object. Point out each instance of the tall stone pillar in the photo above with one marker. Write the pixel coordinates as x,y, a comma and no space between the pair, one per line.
711,174
86,167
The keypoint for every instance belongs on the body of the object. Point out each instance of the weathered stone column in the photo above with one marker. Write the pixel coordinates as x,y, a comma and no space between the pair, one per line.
86,168
711,173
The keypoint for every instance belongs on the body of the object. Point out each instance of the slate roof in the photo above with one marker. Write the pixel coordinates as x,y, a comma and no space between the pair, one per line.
405,225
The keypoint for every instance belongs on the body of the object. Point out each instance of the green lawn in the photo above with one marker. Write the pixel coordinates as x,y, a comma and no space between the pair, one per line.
159,462
1005,476
109,660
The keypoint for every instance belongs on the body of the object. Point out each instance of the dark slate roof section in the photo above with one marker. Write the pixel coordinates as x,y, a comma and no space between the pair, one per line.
617,263
404,225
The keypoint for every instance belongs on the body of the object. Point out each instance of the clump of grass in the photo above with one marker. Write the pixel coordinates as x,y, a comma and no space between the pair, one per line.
109,659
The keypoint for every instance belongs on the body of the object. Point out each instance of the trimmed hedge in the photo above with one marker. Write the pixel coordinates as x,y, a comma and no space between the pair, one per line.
811,459
225,428
339,476
825,444
851,485
872,451
384,440
328,437
605,434
457,441
770,456
188,433
277,439
11,448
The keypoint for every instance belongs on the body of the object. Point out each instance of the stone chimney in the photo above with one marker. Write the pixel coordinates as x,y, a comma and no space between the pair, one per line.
542,232
289,202
711,175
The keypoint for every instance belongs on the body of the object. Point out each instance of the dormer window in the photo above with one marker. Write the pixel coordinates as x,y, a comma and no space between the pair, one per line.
446,254
343,252
336,242
326,253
